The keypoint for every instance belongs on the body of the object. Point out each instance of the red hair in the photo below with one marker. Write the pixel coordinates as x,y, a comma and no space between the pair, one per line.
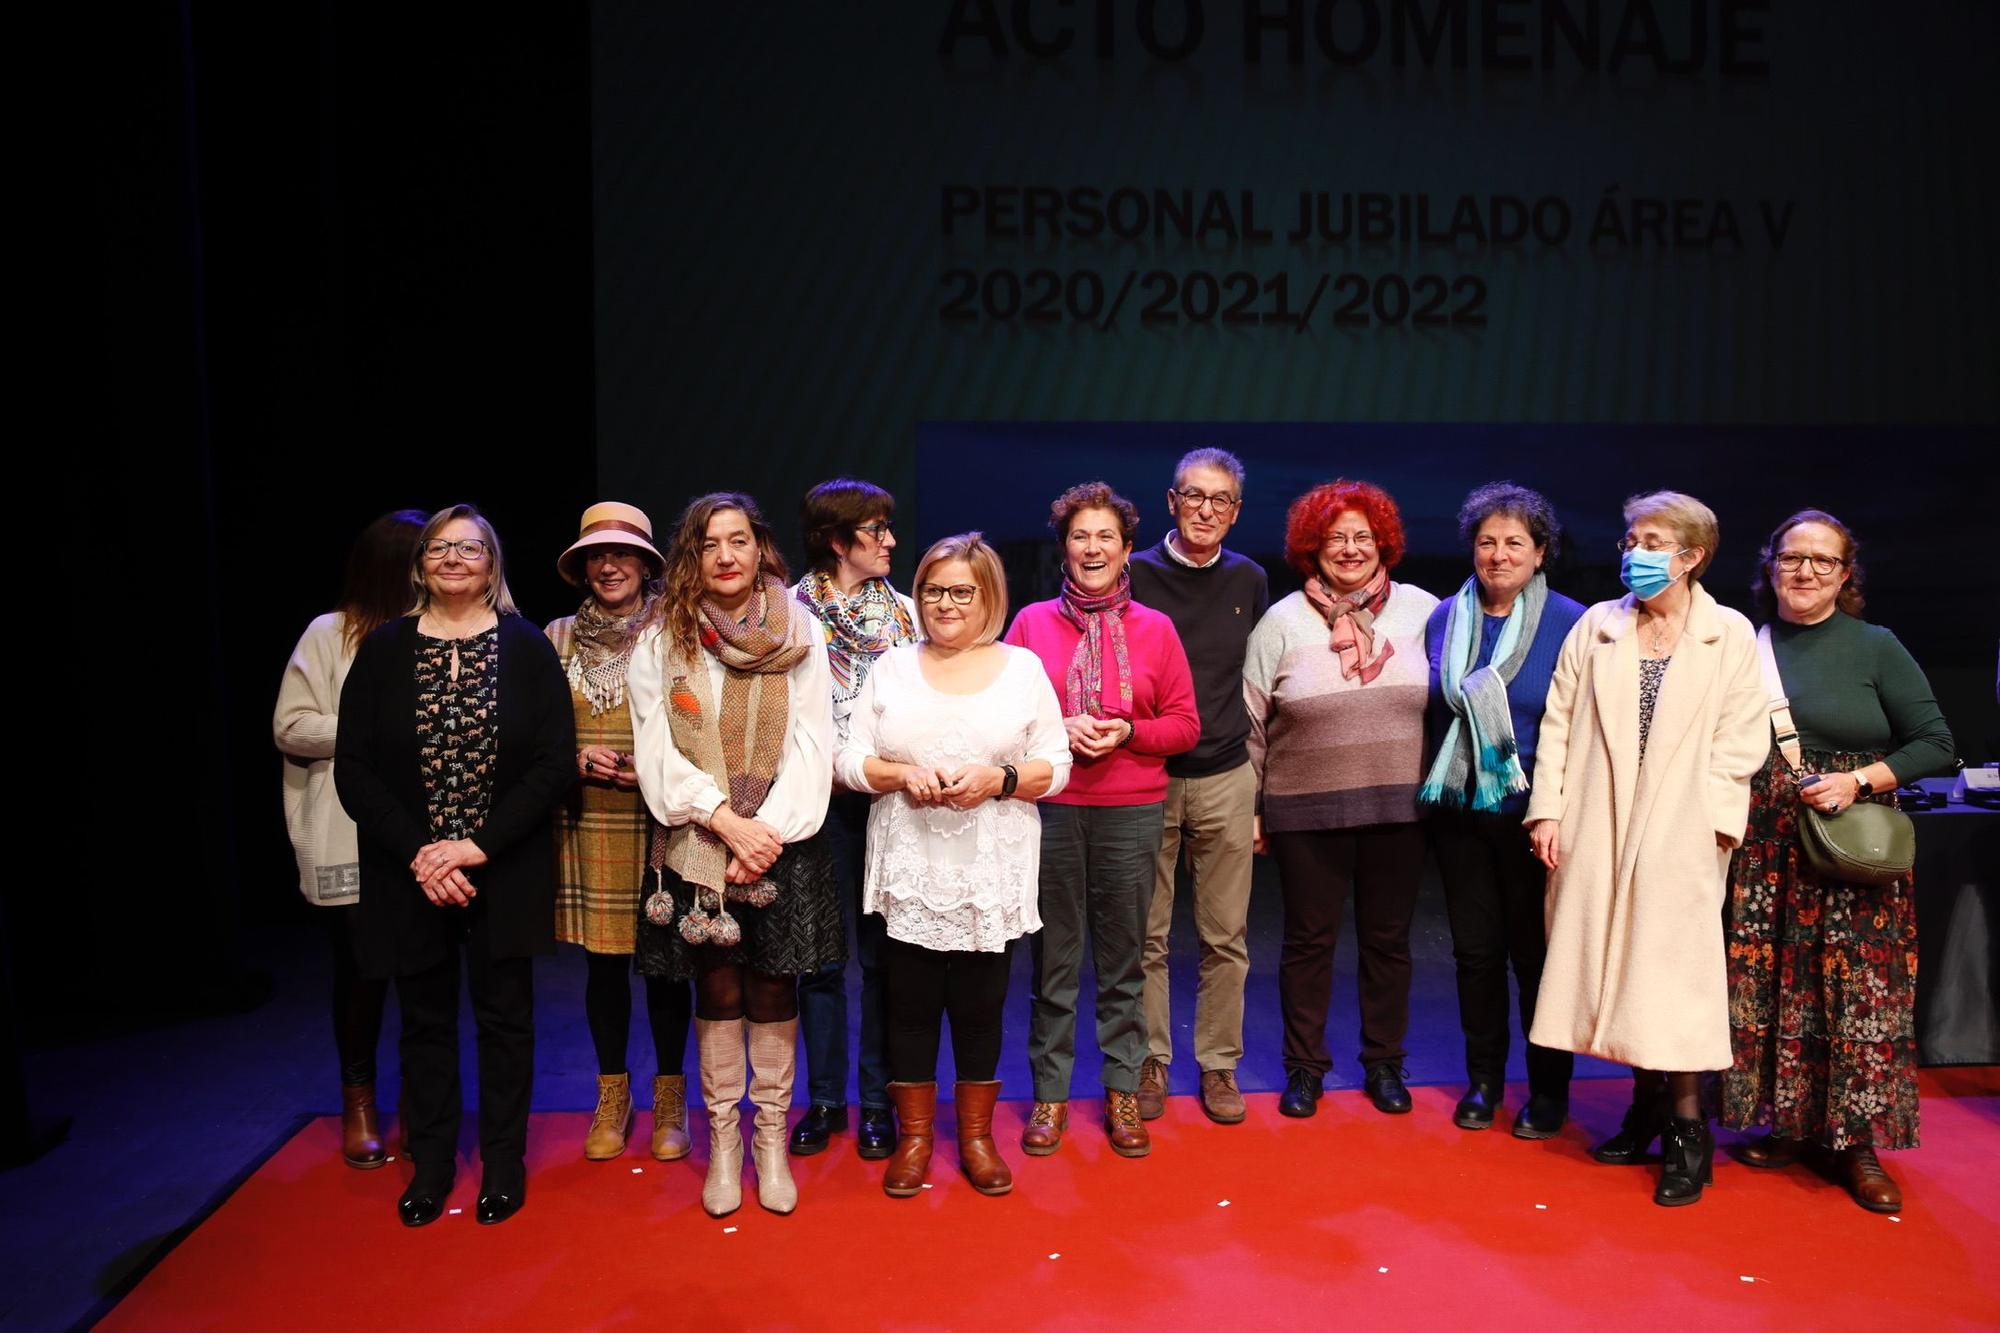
1313,513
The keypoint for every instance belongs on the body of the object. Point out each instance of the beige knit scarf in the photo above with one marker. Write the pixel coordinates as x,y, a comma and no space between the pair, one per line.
740,743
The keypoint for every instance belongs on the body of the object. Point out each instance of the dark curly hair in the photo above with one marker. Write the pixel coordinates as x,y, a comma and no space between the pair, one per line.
680,606
1313,513
1531,508
1093,495
1850,599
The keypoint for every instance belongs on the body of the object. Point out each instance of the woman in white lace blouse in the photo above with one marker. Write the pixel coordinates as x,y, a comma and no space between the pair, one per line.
959,735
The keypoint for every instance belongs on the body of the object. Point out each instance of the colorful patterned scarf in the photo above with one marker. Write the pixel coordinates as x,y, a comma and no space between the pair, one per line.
599,651
1094,674
741,743
1479,745
1351,617
859,629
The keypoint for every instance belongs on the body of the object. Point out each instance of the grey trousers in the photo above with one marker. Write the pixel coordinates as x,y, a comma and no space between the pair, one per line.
1097,874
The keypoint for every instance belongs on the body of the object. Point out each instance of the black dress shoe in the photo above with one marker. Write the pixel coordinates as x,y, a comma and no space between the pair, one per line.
502,1191
876,1138
818,1124
423,1202
1541,1118
1301,1095
1385,1089
1475,1110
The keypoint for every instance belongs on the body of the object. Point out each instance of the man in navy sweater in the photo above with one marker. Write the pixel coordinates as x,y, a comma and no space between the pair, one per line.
1215,598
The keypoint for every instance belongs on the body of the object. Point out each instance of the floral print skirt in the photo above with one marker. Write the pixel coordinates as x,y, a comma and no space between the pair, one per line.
1822,984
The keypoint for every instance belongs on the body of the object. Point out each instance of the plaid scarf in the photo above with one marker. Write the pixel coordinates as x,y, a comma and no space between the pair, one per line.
1352,620
1086,686
859,629
740,744
1480,744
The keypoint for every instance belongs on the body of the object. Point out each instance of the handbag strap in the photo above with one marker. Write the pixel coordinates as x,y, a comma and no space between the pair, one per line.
1782,727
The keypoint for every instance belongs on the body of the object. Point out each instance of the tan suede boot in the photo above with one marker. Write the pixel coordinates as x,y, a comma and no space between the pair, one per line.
612,1123
720,1047
670,1117
773,1064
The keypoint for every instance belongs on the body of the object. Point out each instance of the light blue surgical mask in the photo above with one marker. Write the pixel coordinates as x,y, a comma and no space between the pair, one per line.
1645,573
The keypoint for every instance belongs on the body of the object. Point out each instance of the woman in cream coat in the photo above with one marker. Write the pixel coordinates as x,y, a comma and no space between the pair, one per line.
1656,722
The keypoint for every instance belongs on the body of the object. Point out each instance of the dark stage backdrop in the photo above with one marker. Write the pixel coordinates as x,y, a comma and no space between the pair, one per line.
978,251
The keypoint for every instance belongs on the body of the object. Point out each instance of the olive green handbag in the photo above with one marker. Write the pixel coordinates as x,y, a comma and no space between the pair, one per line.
1867,843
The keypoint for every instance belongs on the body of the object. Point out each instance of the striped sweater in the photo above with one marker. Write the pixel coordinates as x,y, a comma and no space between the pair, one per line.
1331,753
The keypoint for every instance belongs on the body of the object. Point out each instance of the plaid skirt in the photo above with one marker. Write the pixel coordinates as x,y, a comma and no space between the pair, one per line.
600,845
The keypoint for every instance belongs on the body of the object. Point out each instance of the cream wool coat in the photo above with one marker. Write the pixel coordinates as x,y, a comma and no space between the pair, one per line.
1636,969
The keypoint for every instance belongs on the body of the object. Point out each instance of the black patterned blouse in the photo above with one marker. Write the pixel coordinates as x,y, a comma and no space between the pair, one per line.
1651,672
458,729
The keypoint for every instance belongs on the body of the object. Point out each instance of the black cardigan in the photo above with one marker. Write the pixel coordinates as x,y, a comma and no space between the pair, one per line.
398,931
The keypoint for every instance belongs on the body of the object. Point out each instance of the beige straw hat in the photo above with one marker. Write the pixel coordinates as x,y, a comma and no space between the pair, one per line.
609,524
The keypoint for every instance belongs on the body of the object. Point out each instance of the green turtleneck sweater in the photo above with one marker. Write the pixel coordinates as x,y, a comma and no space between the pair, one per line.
1854,687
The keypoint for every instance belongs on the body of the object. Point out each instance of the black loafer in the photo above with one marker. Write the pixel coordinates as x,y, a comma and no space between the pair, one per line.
876,1137
501,1194
1475,1110
1385,1089
1541,1118
1301,1095
423,1202
816,1126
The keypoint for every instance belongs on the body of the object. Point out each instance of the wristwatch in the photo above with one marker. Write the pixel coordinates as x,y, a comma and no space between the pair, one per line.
1863,789
1009,780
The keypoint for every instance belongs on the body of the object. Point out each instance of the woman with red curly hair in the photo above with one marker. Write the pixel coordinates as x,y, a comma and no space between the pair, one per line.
1336,681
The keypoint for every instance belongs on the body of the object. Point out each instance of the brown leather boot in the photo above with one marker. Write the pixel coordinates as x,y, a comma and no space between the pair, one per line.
916,1108
1221,1099
1123,1126
612,1123
1771,1151
1043,1133
1152,1088
1872,1187
670,1117
360,1134
978,1155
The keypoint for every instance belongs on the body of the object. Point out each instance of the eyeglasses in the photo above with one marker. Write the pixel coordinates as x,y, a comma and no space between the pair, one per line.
961,593
1789,563
1361,541
1194,499
879,529
1628,544
470,549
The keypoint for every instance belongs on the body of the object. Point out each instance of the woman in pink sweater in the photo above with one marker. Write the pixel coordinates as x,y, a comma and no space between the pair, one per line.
1128,702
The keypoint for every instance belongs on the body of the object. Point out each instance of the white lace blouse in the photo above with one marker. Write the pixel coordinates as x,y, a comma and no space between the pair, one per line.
943,878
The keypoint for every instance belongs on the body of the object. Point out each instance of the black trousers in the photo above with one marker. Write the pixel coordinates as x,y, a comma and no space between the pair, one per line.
1494,894
926,984
357,1000
607,1007
1381,866
503,1005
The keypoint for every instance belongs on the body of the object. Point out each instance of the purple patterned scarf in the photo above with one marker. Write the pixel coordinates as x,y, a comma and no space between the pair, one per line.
1095,674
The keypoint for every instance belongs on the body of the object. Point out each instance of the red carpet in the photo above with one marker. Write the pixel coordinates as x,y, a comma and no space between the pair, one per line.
1347,1217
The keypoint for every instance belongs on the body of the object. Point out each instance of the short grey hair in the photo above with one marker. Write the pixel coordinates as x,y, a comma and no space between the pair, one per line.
1220,459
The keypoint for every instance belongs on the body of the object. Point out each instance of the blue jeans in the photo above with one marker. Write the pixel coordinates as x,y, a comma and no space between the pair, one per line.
823,996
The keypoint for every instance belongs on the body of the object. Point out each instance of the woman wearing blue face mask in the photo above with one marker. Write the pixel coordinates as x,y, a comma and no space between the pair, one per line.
1656,722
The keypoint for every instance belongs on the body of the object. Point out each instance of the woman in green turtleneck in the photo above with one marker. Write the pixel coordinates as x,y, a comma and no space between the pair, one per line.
1822,974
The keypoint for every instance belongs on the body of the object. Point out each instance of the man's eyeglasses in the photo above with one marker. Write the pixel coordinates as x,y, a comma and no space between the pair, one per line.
1194,499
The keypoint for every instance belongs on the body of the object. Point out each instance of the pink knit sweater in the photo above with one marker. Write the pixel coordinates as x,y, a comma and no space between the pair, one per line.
1164,720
